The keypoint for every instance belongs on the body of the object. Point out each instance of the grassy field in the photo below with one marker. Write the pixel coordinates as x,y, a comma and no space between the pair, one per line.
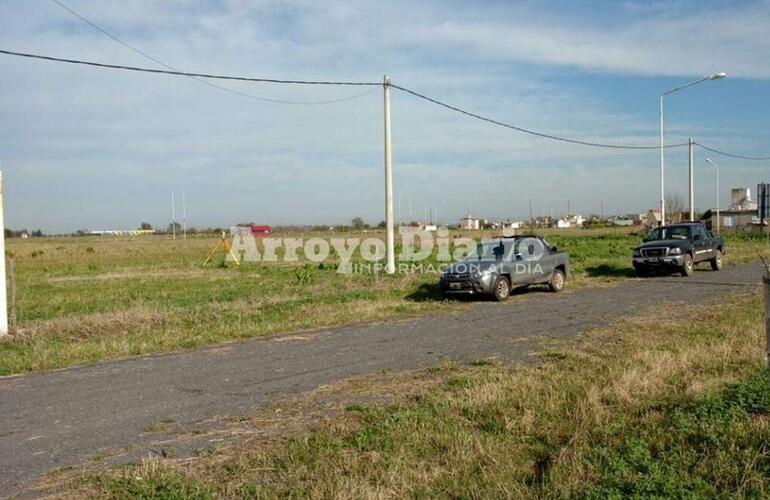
86,299
652,407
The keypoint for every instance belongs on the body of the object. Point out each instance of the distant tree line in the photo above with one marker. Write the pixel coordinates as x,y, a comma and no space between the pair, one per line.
16,233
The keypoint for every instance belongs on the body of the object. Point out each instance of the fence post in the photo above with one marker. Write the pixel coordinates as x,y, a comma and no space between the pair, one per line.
766,281
12,292
3,295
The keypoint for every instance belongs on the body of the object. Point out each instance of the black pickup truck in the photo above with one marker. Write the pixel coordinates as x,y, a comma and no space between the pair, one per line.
679,247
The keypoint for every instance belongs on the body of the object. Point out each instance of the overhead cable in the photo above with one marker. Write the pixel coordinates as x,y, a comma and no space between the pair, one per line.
200,80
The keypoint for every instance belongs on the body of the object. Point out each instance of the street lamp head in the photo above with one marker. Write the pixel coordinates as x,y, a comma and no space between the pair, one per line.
709,160
718,76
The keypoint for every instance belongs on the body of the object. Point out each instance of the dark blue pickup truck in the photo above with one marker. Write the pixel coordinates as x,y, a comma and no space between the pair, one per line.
678,247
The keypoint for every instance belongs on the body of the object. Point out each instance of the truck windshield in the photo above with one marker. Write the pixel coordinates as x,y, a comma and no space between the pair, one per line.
669,233
491,251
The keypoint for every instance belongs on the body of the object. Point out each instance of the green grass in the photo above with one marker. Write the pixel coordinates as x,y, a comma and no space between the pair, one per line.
81,300
648,408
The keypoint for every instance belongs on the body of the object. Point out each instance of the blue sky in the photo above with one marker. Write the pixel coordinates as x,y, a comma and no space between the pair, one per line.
98,149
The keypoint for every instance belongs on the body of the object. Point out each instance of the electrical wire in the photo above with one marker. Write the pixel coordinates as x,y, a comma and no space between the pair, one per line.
373,84
184,73
199,80
732,155
531,132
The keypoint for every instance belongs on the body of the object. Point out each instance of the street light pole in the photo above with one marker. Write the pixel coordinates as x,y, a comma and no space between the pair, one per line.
390,266
715,76
691,175
709,160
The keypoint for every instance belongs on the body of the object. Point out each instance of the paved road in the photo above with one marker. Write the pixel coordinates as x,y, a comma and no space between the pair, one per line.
49,420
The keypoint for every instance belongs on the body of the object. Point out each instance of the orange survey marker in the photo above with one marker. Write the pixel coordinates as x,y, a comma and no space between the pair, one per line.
227,249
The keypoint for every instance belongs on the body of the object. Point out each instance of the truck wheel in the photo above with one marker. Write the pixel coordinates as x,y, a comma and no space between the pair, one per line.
557,281
641,271
716,262
688,265
502,288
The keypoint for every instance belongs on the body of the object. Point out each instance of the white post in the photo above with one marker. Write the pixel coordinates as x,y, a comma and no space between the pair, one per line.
718,217
390,266
173,216
691,175
3,294
662,171
184,216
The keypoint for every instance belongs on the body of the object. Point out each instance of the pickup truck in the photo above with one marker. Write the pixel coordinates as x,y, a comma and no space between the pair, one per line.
500,265
678,247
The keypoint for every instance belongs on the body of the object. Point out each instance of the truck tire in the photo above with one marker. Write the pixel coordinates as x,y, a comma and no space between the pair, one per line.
502,289
716,262
557,281
688,266
642,271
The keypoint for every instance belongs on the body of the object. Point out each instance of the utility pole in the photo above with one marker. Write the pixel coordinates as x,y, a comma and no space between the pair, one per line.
184,216
3,296
662,169
601,209
390,266
530,212
173,215
690,170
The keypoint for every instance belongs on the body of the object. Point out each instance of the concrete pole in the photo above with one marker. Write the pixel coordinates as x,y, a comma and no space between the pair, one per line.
691,178
3,294
718,217
184,215
662,171
173,216
766,281
390,266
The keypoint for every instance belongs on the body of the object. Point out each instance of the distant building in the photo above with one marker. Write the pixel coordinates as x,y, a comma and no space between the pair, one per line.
638,219
653,218
571,220
509,224
730,219
469,222
741,199
253,229
621,220
428,227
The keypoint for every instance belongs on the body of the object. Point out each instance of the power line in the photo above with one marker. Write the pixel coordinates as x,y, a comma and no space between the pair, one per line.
369,84
184,73
731,155
527,131
199,80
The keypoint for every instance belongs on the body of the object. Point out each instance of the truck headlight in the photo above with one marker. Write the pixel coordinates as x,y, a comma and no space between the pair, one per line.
675,251
637,252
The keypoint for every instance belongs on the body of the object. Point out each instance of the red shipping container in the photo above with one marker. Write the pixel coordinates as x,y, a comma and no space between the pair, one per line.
260,230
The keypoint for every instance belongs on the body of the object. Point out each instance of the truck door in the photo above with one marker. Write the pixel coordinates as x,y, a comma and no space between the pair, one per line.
701,244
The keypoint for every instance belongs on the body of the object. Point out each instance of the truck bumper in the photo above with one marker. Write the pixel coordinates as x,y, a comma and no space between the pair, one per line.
666,261
469,286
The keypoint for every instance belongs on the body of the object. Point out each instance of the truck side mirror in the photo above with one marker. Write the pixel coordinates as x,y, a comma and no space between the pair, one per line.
696,237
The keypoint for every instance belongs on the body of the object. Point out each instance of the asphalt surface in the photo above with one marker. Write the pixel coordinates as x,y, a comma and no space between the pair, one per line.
54,419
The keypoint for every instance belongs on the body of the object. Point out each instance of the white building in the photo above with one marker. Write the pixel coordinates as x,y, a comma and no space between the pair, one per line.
469,222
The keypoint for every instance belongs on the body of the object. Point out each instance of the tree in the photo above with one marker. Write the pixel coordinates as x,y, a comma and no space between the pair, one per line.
382,224
145,226
175,227
358,223
674,208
